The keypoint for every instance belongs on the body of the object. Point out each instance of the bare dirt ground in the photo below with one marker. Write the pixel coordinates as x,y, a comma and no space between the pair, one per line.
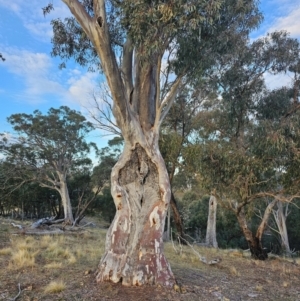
68,263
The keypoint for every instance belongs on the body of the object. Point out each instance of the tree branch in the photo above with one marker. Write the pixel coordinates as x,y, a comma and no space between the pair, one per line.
127,68
98,32
81,15
167,102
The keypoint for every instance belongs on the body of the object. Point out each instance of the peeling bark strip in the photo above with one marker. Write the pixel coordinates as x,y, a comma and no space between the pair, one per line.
134,246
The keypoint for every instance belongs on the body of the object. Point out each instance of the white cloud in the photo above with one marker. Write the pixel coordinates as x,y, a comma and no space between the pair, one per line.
41,77
82,87
11,5
277,81
34,69
31,15
289,22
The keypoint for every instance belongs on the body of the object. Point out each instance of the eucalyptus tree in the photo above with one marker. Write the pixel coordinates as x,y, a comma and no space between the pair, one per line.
174,136
278,118
128,40
235,158
45,149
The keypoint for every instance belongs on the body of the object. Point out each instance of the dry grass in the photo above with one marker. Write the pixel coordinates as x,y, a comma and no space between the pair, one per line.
46,241
22,258
5,251
74,259
55,287
233,271
53,265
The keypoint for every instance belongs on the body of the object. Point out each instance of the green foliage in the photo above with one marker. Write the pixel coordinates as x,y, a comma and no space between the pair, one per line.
46,149
105,204
198,30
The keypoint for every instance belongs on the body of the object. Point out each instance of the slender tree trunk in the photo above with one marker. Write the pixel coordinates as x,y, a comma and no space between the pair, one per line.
134,245
167,234
264,221
211,235
280,219
177,219
65,199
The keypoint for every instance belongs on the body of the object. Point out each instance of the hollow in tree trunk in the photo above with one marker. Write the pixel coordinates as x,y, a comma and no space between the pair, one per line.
134,245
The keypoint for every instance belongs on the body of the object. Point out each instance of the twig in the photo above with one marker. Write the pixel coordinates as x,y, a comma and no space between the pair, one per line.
17,226
20,291
90,223
202,258
173,242
180,245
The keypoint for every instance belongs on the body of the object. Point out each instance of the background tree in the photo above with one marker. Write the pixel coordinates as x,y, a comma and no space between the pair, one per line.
140,33
47,147
229,145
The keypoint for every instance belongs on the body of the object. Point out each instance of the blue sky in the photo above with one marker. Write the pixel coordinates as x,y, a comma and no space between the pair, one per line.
30,78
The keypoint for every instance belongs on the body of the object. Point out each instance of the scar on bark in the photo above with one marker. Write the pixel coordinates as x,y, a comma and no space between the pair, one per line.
130,97
161,191
100,21
153,221
119,206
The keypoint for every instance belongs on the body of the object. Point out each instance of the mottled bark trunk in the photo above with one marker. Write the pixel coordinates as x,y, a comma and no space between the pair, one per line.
134,245
254,243
139,182
211,235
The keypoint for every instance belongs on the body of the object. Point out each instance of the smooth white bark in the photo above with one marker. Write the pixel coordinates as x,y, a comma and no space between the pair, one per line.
211,234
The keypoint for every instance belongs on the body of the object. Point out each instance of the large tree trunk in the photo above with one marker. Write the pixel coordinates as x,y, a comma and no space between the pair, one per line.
254,243
139,181
134,245
211,235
